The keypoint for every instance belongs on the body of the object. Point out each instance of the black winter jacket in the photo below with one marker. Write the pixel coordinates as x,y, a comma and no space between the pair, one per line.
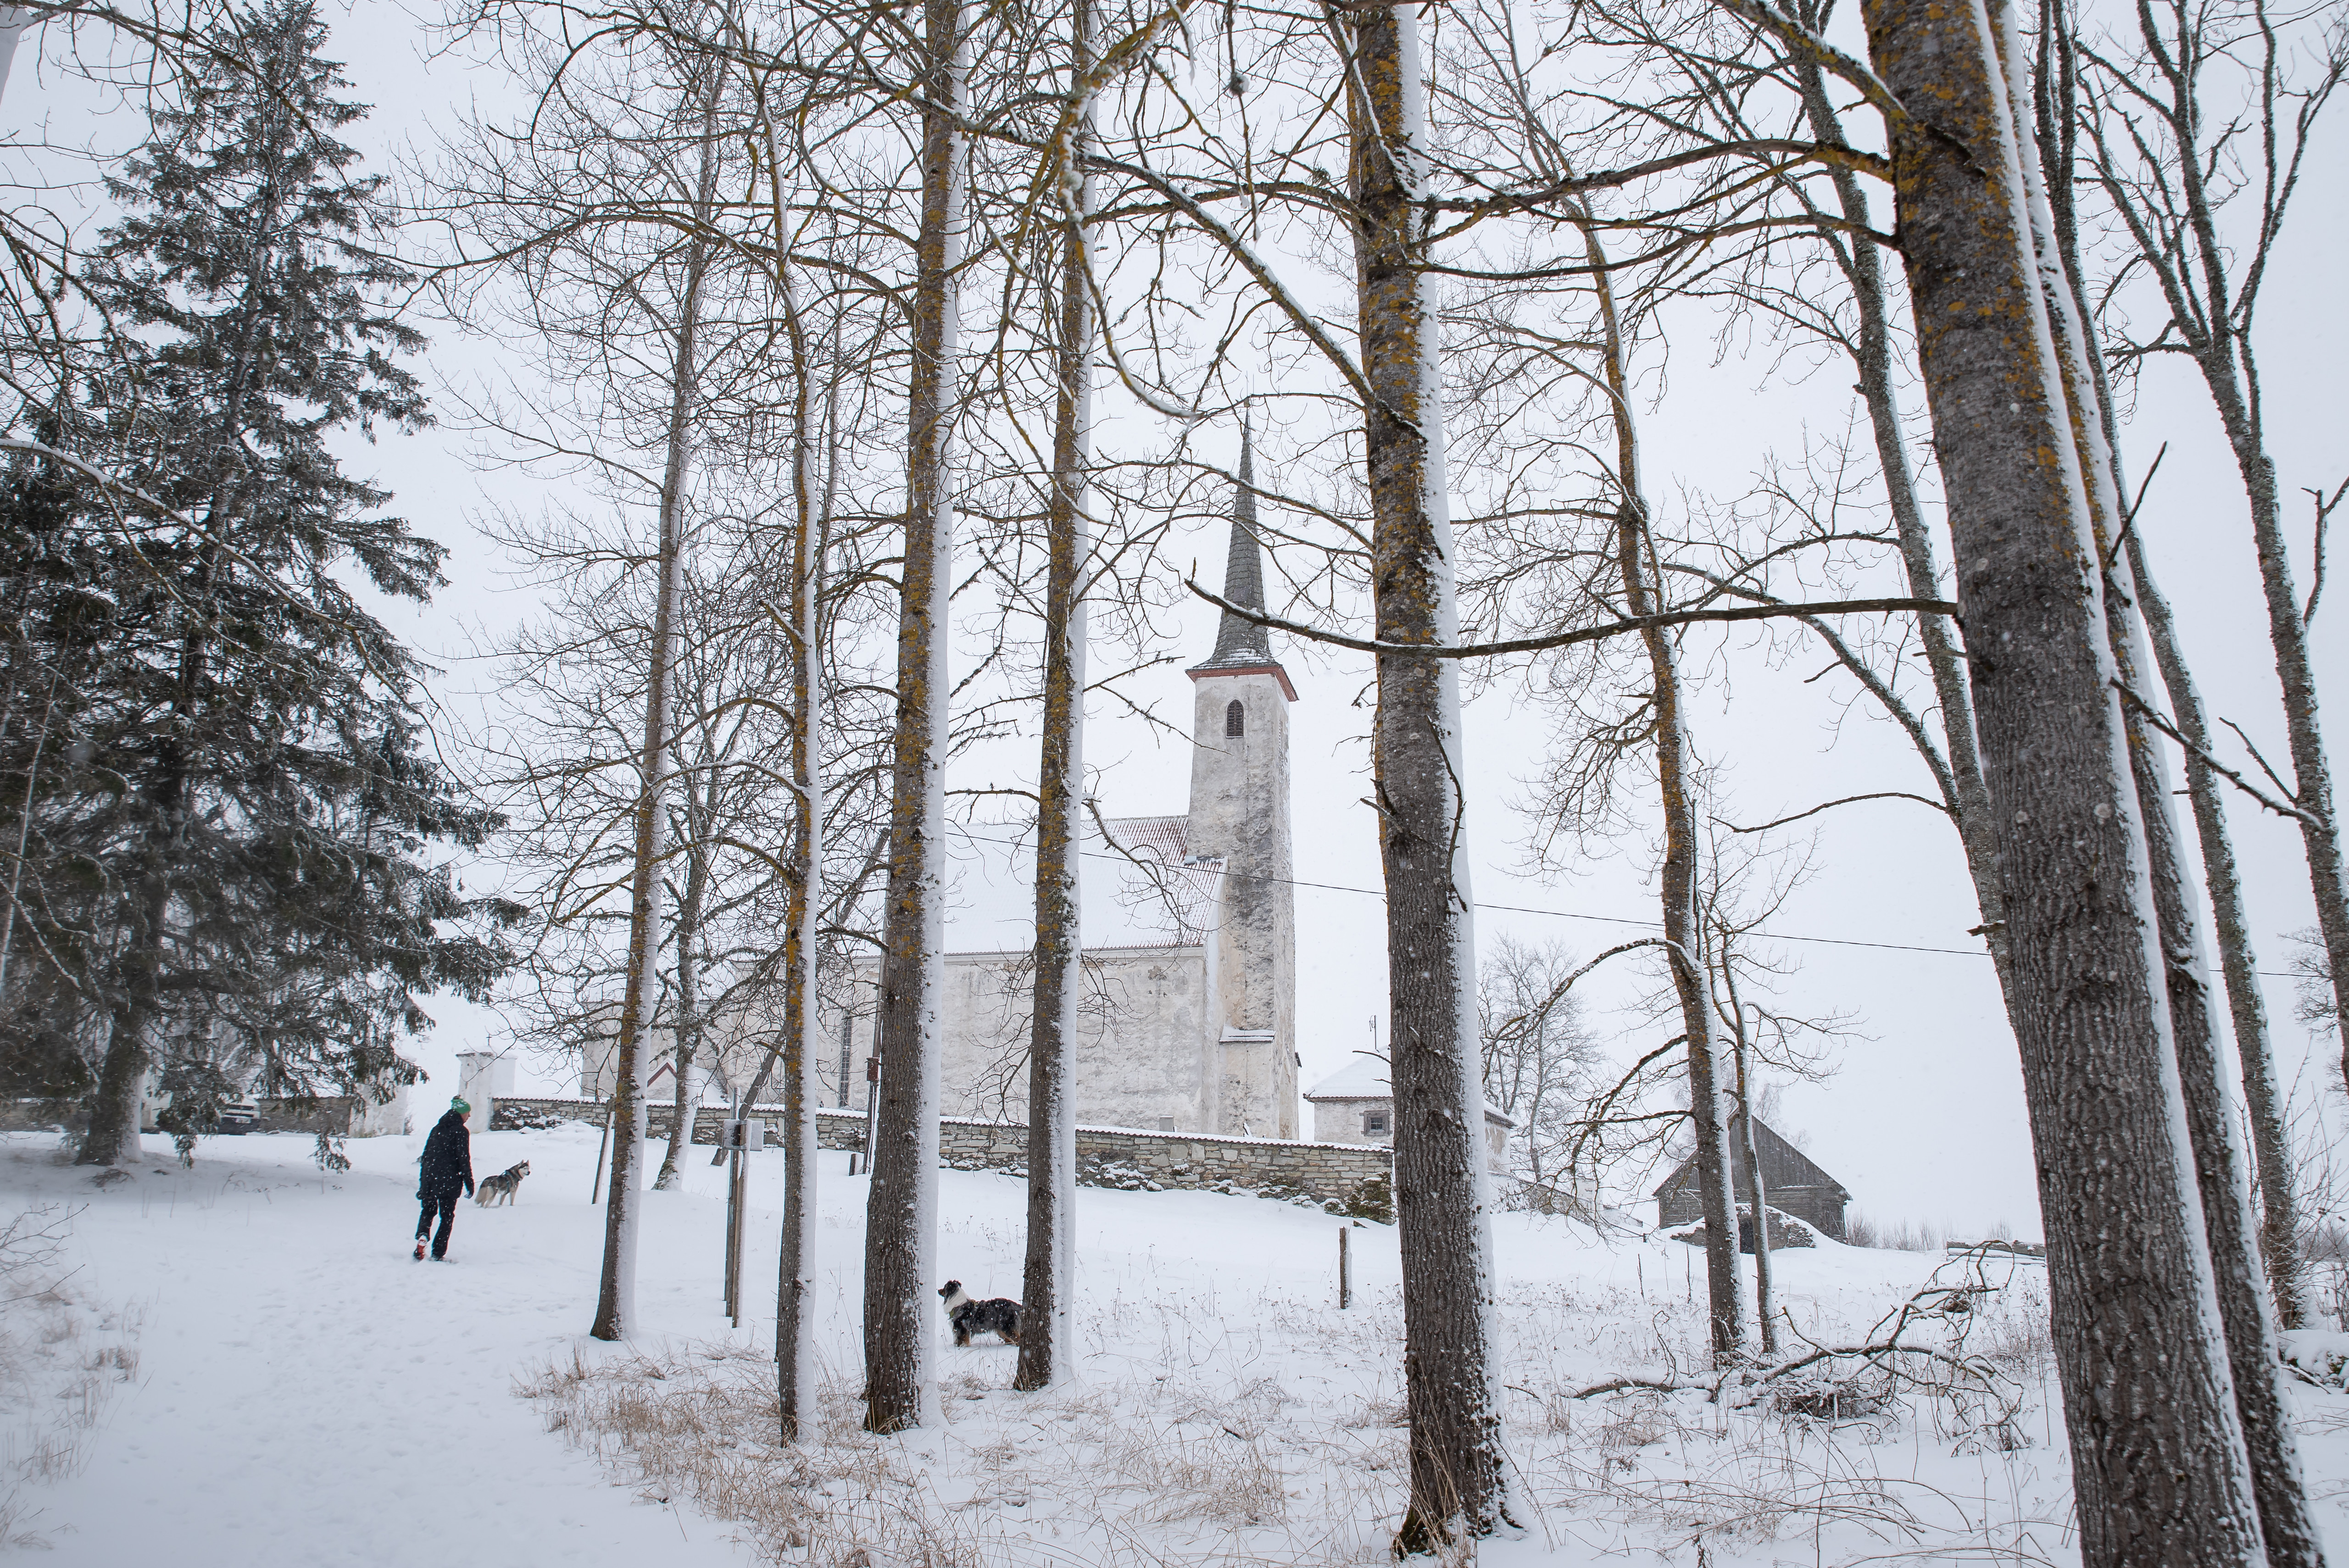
447,1162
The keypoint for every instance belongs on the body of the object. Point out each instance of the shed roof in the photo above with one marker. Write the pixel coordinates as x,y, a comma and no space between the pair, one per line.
1783,1164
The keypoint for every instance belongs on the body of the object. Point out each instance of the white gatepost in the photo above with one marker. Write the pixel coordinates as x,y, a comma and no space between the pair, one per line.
478,1080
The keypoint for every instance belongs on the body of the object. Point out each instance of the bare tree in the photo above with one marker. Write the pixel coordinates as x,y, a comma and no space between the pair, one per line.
2170,165
1538,1051
1458,1489
1049,1281
901,1218
2056,115
2140,1349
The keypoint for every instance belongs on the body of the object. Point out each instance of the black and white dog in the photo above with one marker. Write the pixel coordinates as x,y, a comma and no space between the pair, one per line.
969,1316
501,1187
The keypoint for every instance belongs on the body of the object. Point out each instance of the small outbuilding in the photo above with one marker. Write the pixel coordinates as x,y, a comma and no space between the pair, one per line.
1356,1105
1791,1183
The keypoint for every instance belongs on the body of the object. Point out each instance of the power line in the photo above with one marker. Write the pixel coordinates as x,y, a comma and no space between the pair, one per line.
1516,908
1572,915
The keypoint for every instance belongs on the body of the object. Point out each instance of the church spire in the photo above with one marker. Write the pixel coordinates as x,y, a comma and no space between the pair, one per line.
1240,643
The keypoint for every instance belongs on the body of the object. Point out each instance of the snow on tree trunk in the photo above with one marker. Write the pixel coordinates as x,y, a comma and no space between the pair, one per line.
901,1212
113,1108
1765,1308
1458,1488
2055,110
1943,657
689,981
2253,1354
2262,1099
617,1298
1046,1344
2160,1471
796,1362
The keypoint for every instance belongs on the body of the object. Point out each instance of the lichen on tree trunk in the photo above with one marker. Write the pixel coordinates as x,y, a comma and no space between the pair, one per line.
1049,1275
901,1210
2161,1472
1458,1485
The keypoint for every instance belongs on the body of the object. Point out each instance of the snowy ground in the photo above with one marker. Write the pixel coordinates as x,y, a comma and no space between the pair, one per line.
241,1365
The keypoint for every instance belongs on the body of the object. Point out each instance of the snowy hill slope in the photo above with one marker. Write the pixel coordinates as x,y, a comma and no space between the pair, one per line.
304,1393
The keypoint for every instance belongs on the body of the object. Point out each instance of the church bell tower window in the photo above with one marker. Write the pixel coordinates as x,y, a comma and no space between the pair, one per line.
1236,720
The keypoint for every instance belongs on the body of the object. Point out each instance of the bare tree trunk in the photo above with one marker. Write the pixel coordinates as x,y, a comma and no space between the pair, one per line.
795,1365
1765,1308
2211,288
901,1212
1674,767
1046,1343
2254,1355
2055,112
688,984
616,1296
1943,657
2160,1471
1684,930
1458,1486
2253,1352
2262,1097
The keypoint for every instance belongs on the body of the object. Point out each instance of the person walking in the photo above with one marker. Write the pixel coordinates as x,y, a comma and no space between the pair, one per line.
445,1171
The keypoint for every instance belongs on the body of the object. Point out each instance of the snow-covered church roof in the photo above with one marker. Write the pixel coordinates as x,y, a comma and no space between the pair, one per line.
1138,886
1364,1076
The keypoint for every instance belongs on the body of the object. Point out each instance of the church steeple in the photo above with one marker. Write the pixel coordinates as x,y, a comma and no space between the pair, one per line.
1242,644
1239,818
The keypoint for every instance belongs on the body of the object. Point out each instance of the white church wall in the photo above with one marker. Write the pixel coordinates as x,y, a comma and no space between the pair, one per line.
1138,1058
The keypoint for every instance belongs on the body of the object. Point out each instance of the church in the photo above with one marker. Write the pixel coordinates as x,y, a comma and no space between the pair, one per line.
1187,1016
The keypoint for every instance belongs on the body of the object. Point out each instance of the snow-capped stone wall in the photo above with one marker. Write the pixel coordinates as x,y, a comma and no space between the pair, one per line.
1349,1178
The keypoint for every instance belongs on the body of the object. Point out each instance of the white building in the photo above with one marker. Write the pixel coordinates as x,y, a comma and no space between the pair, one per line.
1187,1021
1356,1105
1187,1018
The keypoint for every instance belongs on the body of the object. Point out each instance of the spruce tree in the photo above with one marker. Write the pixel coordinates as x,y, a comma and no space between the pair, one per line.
236,879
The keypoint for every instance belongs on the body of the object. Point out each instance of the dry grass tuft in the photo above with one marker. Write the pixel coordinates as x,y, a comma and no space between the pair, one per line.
62,1361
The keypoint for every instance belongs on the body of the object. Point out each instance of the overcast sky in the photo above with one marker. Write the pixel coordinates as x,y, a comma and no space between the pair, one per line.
1922,1115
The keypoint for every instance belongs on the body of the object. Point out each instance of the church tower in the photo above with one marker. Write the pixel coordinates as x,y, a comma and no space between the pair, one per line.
1239,814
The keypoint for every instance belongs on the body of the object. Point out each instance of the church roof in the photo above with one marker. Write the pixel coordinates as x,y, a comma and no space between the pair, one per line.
1242,644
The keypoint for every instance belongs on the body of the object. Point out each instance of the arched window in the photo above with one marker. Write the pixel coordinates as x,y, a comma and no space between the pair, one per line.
1236,719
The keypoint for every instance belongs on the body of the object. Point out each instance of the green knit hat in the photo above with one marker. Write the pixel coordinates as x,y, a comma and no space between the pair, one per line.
461,1105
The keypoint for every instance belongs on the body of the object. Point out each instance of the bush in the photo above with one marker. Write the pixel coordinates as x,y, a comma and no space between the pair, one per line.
1901,1235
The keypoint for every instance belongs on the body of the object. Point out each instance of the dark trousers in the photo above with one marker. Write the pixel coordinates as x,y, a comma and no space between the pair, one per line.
446,1203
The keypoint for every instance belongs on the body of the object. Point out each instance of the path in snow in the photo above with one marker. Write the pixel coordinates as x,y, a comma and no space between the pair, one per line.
306,1393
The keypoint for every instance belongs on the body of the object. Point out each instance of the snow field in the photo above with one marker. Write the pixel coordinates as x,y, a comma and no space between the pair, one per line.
293,1389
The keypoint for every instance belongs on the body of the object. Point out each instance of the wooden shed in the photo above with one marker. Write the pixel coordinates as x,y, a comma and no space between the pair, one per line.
1791,1183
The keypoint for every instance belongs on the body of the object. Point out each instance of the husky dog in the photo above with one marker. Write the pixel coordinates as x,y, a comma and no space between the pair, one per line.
969,1316
501,1186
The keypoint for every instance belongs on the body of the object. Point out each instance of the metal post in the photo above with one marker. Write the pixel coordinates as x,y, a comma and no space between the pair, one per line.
871,1109
847,1026
741,1226
595,1192
1345,1268
733,1154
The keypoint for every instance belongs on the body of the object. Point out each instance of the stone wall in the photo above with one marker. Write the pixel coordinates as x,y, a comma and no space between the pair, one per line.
1356,1180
